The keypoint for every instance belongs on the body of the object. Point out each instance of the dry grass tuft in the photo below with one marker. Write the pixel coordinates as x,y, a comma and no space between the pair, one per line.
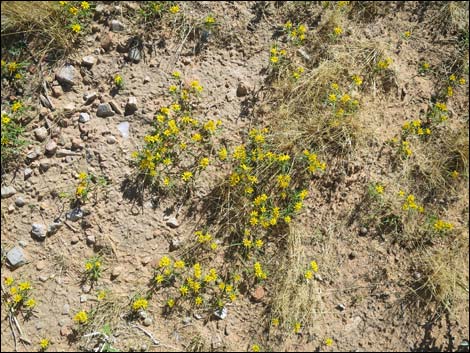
39,24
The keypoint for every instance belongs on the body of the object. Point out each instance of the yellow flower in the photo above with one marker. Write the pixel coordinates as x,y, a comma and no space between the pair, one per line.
81,317
357,80
24,286
175,107
379,189
165,261
139,303
328,342
214,246
17,298
63,3
259,243
197,270
275,322
30,303
198,300
176,74
314,266
186,176
223,154
73,10
196,137
338,31
85,5
452,78
12,66
18,76
9,281
332,98
44,343
462,81
297,327
76,28
179,264
287,219
283,181
455,174
209,20
204,162
288,25
450,91
174,9
308,275
407,34
101,295
274,59
255,348
170,302
16,106
183,290
5,119
159,278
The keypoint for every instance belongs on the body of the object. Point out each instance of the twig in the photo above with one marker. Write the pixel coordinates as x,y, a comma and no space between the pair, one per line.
12,330
17,324
155,341
70,226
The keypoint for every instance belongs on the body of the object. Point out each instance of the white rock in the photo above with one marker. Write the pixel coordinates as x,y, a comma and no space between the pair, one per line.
116,26
84,117
38,230
40,133
16,257
124,129
66,75
89,61
8,191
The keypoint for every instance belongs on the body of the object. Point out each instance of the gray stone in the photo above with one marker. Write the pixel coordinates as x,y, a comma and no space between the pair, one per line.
91,239
16,257
19,202
86,288
8,191
66,75
44,165
27,173
197,316
116,272
64,153
84,117
111,140
83,298
23,243
77,144
51,148
89,97
106,42
143,314
33,155
54,227
116,26
65,309
242,89
363,231
89,61
43,278
175,243
341,307
115,107
40,133
104,110
134,55
38,230
57,91
74,215
221,313
172,222
131,106
148,321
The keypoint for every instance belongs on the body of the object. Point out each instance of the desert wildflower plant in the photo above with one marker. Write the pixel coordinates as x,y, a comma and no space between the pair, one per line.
12,131
18,297
77,15
93,268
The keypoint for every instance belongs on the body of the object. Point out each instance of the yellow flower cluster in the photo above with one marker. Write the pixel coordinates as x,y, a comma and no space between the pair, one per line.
93,268
259,273
296,34
410,204
139,304
442,226
342,102
177,137
298,72
277,56
415,127
81,317
18,297
314,164
384,63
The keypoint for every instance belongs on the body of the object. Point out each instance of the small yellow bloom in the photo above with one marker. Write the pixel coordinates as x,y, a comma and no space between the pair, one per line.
338,31
379,189
183,290
314,266
308,275
101,295
170,302
407,34
198,300
175,9
329,342
81,317
462,81
140,303
9,281
165,261
30,303
16,106
24,286
76,28
255,348
204,162
17,298
179,264
274,59
297,327
84,5
73,10
44,343
186,176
